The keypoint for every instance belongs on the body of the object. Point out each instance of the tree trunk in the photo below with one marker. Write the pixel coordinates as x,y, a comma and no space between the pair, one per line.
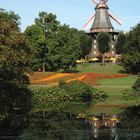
43,68
103,60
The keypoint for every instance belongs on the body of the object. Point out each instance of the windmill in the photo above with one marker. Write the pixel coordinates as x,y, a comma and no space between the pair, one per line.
102,17
102,23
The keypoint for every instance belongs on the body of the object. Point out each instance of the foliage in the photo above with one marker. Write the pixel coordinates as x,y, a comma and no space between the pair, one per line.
14,99
103,40
48,22
14,53
37,37
63,48
133,93
130,118
131,62
36,41
131,59
14,61
50,98
120,44
85,44
99,95
54,45
136,85
78,90
130,94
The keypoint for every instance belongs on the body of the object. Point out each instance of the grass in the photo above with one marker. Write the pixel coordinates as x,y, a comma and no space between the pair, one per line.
113,87
114,103
126,81
109,68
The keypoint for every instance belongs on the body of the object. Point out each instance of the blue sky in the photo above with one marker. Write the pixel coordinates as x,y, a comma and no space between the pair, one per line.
73,12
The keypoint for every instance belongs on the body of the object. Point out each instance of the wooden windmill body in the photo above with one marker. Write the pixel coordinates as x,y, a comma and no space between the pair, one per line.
102,23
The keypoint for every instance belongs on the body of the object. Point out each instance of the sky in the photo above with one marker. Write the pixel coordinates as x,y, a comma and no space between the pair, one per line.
75,13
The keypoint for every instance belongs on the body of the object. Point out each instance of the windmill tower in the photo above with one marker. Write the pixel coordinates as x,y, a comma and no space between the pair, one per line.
102,23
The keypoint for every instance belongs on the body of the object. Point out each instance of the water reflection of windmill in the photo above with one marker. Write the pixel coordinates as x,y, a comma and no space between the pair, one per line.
102,23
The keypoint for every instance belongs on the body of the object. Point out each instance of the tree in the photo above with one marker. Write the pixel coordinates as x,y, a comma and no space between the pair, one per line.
136,85
14,53
14,62
133,93
131,59
36,41
120,44
63,48
37,35
103,40
85,44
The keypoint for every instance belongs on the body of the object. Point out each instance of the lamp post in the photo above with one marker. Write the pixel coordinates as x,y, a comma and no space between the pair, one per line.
45,35
45,47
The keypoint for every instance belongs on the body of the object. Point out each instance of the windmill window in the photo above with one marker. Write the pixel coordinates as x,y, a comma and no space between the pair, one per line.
94,46
113,52
94,52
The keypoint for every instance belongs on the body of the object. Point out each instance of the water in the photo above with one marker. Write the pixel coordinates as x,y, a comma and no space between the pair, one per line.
67,126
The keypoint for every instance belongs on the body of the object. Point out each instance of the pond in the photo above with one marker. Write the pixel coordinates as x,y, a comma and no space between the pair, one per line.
62,125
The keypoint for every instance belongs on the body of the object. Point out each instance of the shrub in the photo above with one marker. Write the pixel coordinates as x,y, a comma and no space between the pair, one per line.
99,95
50,98
136,85
78,90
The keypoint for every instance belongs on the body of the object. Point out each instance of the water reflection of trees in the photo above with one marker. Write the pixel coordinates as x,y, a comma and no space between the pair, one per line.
130,118
57,126
15,104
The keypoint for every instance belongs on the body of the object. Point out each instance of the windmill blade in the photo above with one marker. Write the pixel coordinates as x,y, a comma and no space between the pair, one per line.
115,18
88,21
95,2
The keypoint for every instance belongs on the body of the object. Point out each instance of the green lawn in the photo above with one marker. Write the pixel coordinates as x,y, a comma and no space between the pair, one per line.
109,68
113,87
114,103
127,81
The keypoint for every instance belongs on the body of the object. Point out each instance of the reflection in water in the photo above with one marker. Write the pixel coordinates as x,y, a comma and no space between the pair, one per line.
66,126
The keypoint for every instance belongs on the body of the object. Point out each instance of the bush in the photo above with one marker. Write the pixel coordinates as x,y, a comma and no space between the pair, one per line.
136,85
99,95
50,98
78,90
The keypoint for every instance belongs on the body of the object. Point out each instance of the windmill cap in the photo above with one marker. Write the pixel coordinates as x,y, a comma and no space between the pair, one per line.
101,5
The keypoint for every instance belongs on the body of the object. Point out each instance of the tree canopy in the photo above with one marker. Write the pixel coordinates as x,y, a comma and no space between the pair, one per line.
14,53
54,45
120,44
103,40
131,59
63,48
14,62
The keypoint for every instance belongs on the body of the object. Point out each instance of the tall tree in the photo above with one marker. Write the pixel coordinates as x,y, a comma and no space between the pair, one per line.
85,44
64,48
103,40
131,59
120,44
14,53
14,61
36,41
45,26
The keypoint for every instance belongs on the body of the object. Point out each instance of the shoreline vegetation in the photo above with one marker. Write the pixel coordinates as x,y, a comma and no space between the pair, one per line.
112,84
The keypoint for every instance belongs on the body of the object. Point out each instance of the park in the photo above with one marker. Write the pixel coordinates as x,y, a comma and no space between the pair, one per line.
63,83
